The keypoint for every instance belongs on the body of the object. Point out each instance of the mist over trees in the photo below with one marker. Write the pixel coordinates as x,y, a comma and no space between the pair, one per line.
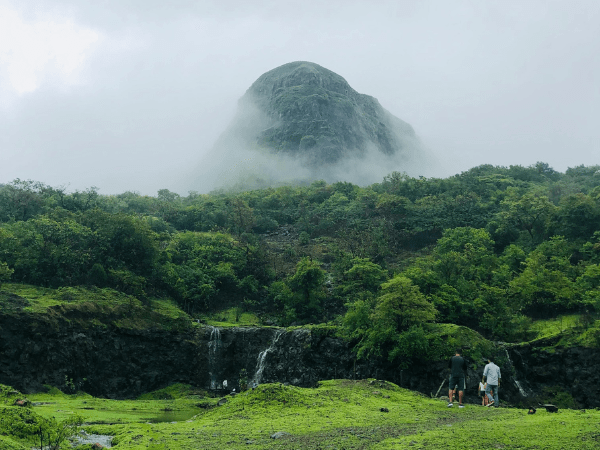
490,248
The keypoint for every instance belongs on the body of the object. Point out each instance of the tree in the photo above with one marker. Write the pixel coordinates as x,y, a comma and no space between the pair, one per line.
307,286
5,272
578,216
529,213
362,276
203,268
399,308
546,285
22,199
47,251
588,285
243,219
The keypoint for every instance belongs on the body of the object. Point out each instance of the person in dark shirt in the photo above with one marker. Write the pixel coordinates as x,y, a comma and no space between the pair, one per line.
458,369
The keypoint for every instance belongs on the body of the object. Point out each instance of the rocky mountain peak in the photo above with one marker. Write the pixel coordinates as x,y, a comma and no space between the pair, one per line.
308,119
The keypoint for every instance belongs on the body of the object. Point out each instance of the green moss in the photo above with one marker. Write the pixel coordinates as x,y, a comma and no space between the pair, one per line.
555,326
337,414
177,390
567,331
8,395
19,424
590,337
105,411
7,443
94,307
231,317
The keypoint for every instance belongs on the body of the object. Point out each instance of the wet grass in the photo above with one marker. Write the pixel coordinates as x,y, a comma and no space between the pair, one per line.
92,306
555,326
173,404
231,317
568,331
338,414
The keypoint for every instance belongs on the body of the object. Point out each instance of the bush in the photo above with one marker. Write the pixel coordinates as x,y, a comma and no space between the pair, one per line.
5,272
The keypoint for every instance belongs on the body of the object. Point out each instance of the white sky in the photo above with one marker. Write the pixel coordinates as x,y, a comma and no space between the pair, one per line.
129,94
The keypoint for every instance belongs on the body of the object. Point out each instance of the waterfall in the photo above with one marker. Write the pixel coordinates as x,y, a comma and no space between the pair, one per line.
214,345
262,356
518,385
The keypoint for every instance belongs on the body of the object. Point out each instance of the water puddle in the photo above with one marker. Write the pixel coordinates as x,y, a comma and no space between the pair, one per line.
84,438
165,416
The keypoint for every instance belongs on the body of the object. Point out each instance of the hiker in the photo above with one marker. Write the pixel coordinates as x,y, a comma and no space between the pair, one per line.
484,399
458,368
491,375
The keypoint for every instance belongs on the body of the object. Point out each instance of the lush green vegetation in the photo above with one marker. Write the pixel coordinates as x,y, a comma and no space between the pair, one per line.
494,249
338,414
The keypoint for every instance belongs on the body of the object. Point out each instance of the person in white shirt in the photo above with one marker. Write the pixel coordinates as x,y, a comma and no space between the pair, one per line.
484,399
491,375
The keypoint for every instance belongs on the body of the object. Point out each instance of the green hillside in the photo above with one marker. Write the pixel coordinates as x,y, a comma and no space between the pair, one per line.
494,249
339,414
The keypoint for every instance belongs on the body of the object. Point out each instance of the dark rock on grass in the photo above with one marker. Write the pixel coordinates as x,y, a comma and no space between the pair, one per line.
279,435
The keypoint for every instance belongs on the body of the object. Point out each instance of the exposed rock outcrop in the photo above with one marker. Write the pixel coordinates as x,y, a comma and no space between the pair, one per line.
571,370
306,110
302,121
115,362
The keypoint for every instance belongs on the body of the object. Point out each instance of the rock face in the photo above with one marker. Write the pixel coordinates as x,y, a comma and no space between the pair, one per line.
115,362
571,370
314,113
302,115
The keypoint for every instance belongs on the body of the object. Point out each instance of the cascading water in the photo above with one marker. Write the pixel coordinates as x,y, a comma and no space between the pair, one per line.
262,356
518,385
214,345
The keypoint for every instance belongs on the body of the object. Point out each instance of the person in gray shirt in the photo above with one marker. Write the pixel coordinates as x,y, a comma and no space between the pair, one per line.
491,374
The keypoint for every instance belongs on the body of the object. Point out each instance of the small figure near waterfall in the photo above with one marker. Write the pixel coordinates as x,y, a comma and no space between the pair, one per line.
458,369
484,399
224,384
491,375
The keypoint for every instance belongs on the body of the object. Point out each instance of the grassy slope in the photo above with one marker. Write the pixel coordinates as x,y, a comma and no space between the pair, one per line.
338,414
92,306
566,331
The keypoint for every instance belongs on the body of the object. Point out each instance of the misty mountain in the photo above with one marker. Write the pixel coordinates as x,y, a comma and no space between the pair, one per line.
301,121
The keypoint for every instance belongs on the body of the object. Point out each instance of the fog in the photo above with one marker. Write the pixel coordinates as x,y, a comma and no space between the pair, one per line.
251,153
134,95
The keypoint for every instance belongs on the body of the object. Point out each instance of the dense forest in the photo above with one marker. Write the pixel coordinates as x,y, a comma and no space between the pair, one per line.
491,248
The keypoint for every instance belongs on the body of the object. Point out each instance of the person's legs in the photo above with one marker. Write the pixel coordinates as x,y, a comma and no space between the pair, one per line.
488,388
451,387
496,398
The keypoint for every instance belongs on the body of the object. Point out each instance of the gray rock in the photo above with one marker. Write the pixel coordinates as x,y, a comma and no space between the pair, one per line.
279,435
311,115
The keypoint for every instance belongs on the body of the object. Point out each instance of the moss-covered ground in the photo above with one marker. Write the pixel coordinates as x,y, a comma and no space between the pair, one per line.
338,414
231,317
92,306
567,331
